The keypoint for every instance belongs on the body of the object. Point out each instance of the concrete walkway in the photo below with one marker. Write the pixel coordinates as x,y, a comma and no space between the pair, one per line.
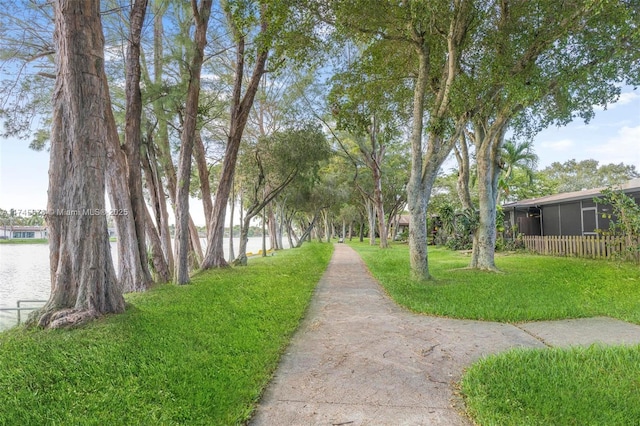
359,359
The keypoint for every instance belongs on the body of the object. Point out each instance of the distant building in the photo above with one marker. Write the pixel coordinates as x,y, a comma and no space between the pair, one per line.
403,223
23,232
566,214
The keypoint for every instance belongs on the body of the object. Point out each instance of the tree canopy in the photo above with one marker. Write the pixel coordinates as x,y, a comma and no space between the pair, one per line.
194,91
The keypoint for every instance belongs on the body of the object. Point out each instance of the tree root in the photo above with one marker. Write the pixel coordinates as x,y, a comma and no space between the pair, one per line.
67,318
480,268
240,261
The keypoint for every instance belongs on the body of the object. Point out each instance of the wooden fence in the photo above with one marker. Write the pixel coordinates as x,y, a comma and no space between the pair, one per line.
595,247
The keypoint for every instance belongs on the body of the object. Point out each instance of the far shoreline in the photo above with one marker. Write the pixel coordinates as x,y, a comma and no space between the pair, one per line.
25,241
35,240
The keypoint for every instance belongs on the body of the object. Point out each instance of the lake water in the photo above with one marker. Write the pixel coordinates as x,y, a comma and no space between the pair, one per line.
24,274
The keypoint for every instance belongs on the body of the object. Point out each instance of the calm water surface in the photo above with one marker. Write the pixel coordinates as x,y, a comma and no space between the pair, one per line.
24,274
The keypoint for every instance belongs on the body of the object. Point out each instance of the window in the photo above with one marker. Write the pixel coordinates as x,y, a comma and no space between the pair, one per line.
589,221
24,234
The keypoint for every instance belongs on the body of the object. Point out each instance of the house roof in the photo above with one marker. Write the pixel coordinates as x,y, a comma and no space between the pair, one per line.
21,228
630,186
403,220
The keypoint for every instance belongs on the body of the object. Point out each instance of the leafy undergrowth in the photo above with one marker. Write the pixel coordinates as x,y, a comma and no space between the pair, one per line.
530,287
195,354
577,386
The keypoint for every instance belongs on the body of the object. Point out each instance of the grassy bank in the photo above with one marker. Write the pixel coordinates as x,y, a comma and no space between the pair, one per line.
25,241
530,288
197,354
576,386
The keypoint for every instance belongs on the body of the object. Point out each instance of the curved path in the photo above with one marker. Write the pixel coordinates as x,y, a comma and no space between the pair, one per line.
359,359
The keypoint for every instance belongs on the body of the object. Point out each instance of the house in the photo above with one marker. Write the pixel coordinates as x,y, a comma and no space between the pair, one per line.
403,223
570,213
23,232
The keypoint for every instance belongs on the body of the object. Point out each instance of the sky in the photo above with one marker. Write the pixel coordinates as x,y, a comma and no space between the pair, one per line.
613,136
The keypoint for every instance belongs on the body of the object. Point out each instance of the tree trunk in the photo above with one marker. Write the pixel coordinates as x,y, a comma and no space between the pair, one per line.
83,280
280,209
241,259
264,233
195,247
307,232
416,190
130,273
132,145
424,171
159,204
203,175
325,219
371,215
214,257
160,266
484,249
487,148
290,234
241,200
232,211
379,205
273,227
133,273
161,210
462,184
201,16
374,161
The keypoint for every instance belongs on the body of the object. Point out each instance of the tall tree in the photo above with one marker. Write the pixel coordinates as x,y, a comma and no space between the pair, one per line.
132,141
276,162
157,158
240,108
264,33
27,53
575,175
539,62
461,151
424,41
124,184
363,108
201,17
83,279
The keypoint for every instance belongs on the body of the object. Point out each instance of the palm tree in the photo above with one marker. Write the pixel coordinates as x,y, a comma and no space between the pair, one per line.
516,156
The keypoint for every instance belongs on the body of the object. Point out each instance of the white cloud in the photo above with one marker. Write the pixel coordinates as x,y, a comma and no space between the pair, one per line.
624,147
627,97
624,99
561,145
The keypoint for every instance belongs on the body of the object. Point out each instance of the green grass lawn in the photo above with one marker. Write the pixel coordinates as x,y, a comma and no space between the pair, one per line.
199,354
24,241
529,288
575,386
